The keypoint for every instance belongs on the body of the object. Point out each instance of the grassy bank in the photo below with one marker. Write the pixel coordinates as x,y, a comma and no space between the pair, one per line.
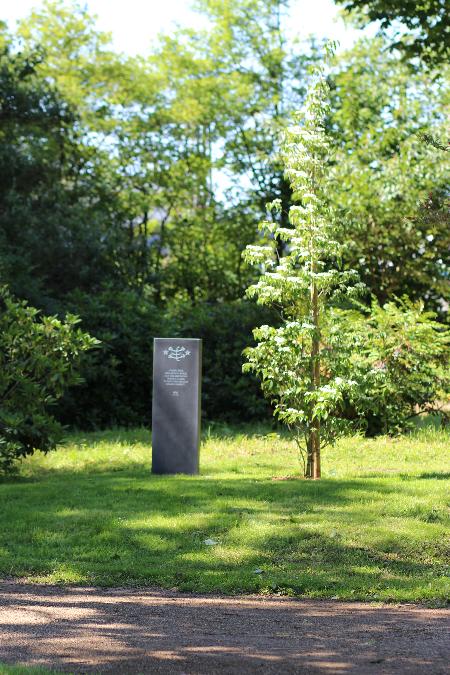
372,528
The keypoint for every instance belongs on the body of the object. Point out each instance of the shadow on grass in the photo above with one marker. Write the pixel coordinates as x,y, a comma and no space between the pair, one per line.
123,529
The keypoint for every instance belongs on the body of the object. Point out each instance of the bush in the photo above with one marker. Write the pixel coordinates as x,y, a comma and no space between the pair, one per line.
117,387
399,356
396,355
226,330
38,359
117,377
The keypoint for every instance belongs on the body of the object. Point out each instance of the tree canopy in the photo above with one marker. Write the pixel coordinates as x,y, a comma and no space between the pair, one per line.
419,29
130,186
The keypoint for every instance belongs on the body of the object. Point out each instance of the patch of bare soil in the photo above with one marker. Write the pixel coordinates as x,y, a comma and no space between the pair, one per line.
91,630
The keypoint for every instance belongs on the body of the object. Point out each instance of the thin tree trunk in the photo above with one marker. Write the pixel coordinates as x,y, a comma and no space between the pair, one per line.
309,458
315,379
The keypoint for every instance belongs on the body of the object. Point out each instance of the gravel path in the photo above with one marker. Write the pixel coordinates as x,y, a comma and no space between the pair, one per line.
86,630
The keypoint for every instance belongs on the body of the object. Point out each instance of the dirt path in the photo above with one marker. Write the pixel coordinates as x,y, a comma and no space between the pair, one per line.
151,631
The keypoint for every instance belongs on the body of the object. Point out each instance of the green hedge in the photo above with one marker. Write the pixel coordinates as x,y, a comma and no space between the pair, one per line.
117,377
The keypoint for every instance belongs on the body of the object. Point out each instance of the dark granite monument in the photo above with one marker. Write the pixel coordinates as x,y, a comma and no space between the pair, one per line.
176,407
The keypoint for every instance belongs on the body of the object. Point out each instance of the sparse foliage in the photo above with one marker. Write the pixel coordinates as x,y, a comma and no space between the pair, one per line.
297,372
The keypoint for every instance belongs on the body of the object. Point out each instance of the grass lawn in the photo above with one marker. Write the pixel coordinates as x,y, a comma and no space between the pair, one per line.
23,670
373,528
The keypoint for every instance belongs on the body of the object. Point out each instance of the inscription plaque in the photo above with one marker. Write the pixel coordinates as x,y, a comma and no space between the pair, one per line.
176,406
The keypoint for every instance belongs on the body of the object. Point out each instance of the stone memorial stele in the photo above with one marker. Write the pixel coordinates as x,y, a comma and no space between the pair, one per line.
176,407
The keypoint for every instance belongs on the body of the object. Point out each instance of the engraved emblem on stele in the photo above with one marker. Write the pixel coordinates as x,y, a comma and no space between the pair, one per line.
176,353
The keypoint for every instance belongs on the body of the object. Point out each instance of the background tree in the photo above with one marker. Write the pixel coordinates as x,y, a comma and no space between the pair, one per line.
424,27
59,217
388,183
131,186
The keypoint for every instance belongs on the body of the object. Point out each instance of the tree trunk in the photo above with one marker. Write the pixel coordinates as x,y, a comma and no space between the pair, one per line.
309,459
315,381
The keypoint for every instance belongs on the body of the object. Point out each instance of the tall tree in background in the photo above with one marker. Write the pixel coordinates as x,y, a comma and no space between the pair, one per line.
226,90
420,29
264,76
388,182
56,207
100,87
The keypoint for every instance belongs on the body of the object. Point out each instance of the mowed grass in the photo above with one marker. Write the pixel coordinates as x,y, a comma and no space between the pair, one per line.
6,669
373,528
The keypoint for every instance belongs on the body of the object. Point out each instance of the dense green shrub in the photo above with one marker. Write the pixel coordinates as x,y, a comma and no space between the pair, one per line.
117,385
118,376
226,330
38,359
399,357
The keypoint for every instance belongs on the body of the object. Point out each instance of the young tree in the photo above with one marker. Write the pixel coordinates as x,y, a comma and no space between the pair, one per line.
297,371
